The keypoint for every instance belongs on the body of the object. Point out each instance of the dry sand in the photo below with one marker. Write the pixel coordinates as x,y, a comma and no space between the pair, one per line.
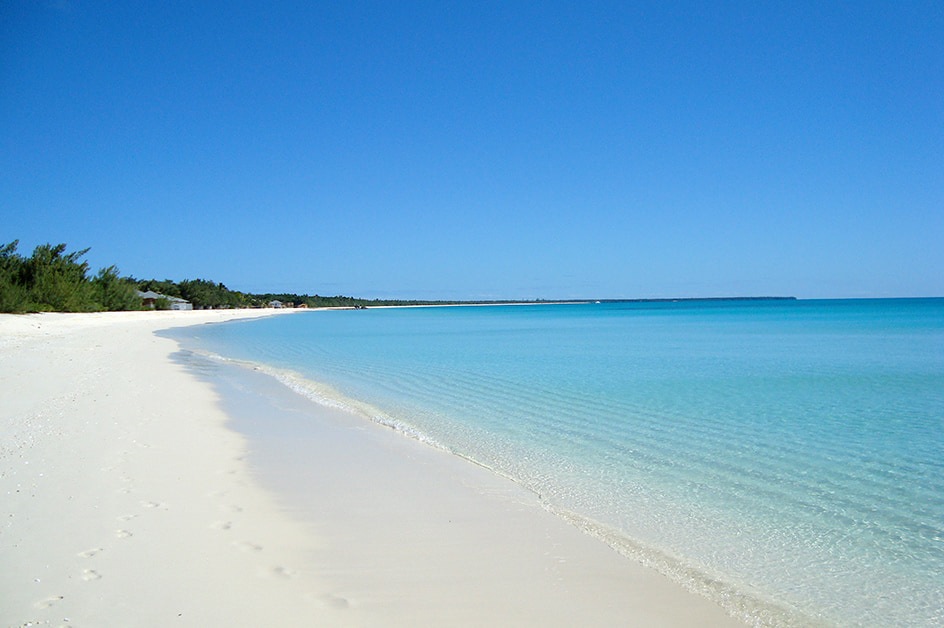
128,499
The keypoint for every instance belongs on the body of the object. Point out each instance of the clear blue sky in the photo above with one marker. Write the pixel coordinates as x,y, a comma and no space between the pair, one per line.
482,149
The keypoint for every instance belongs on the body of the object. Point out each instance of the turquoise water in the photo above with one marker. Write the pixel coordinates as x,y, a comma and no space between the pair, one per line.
785,458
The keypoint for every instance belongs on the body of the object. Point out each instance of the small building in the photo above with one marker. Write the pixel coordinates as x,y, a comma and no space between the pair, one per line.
276,304
176,303
150,298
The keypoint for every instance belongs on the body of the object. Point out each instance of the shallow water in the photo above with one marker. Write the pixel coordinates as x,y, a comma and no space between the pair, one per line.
782,457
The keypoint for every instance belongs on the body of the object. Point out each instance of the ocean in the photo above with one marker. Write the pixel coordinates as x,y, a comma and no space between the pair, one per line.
784,458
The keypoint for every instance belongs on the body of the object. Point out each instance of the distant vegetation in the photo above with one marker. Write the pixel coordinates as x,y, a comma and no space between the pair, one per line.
52,280
207,294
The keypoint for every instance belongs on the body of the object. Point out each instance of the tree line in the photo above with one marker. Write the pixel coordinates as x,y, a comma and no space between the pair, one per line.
53,280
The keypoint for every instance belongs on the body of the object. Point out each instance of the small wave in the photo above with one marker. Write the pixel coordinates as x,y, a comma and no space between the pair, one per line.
329,397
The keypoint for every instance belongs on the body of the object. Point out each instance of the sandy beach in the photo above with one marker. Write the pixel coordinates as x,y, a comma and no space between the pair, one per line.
138,490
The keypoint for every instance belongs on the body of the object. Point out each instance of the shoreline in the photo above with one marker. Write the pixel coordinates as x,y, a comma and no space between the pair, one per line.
180,505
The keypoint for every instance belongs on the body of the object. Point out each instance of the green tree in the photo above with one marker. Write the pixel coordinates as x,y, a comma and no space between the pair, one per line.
115,293
58,280
208,294
13,294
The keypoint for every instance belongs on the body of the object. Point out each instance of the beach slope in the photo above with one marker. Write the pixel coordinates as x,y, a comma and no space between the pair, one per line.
128,500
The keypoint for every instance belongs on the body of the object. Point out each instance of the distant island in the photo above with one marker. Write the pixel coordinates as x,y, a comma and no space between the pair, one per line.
52,280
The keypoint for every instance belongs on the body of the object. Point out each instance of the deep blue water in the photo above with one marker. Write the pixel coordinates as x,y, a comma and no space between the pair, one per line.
783,457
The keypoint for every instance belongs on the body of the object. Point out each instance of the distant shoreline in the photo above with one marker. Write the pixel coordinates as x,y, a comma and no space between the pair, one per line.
691,299
412,303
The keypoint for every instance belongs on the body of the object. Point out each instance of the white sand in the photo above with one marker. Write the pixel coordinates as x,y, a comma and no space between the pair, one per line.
127,501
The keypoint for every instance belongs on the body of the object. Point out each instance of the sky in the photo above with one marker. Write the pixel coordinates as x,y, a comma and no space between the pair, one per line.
482,150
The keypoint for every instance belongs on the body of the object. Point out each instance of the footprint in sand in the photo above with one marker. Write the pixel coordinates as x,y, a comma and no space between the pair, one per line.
154,505
90,552
246,546
222,525
126,517
48,602
335,601
123,534
282,572
90,574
